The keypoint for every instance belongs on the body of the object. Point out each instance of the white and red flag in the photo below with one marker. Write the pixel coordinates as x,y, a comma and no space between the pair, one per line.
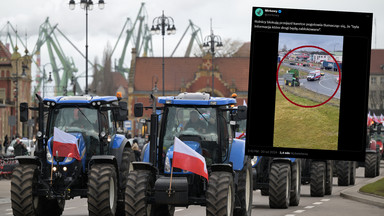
188,159
64,144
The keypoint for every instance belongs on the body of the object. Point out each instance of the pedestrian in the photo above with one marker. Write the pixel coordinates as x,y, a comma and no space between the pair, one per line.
136,150
5,144
19,148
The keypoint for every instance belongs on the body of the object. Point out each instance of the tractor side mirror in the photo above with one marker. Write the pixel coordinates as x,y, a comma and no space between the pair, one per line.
23,112
241,113
138,109
123,111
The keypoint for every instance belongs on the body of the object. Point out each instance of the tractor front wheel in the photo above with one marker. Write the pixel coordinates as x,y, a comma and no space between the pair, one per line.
220,194
102,190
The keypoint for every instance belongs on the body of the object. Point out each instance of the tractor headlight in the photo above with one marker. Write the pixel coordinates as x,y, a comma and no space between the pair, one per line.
49,156
167,165
253,160
68,159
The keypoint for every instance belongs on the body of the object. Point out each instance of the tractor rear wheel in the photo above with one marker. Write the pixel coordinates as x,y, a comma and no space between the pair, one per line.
295,183
370,165
318,178
329,178
352,177
245,190
23,182
220,194
279,185
343,173
102,189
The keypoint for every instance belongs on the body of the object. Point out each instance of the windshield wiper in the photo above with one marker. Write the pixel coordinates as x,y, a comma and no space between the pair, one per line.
83,114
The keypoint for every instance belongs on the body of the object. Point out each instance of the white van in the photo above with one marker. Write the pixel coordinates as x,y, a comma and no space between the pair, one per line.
314,75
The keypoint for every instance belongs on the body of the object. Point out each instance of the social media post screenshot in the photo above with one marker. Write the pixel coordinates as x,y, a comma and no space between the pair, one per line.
308,83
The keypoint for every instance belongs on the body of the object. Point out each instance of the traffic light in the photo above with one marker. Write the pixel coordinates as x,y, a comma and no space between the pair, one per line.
23,112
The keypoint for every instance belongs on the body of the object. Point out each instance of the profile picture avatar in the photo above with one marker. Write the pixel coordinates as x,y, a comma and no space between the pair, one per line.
259,12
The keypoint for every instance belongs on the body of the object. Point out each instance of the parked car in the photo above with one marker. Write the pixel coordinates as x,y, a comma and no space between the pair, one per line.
28,143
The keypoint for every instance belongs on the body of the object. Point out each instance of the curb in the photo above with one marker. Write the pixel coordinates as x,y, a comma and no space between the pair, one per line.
354,194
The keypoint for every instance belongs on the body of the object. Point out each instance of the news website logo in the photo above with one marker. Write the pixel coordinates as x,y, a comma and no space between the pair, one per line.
259,12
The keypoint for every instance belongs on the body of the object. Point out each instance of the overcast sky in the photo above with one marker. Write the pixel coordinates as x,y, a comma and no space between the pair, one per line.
231,19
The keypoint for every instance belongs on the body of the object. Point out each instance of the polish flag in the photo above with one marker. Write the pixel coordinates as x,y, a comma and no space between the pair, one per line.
369,120
64,144
188,159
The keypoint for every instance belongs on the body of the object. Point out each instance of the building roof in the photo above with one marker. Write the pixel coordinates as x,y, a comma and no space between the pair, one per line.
180,71
377,62
5,55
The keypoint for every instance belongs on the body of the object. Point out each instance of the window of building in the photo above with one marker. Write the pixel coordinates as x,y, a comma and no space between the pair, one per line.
373,80
2,95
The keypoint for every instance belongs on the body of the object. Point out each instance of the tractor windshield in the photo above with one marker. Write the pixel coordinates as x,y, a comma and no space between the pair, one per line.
193,125
73,120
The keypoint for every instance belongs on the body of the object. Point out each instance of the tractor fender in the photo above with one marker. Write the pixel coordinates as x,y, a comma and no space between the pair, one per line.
118,145
222,167
145,166
237,154
99,159
28,160
288,160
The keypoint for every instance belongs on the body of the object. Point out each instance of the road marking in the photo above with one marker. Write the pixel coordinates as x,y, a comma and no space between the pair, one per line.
299,211
177,210
309,207
290,215
8,209
69,208
324,200
317,203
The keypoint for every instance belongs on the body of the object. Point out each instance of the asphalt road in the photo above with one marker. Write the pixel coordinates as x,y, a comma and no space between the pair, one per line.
309,206
327,84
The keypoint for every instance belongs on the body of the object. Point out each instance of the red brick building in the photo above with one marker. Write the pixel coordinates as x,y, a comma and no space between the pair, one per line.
185,74
13,67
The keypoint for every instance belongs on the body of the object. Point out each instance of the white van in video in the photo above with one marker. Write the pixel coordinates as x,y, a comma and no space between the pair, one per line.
314,75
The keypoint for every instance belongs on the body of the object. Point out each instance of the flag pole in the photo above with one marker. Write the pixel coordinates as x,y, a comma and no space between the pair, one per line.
170,183
51,170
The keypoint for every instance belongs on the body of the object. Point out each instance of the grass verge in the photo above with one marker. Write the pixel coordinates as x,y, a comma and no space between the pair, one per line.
376,188
306,128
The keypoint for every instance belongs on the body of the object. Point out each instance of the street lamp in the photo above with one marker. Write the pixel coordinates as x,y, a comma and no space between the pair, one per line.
211,42
163,23
24,61
86,5
44,78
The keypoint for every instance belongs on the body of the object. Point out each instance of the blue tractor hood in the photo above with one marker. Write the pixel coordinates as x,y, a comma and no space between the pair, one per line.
67,160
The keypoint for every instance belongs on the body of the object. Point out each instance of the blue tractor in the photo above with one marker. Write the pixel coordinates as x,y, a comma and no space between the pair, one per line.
228,190
42,183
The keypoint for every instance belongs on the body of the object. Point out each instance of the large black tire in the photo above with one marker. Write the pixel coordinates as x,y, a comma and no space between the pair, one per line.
220,195
318,178
139,185
125,167
370,165
352,177
279,185
295,183
102,190
378,163
343,173
329,178
23,182
244,192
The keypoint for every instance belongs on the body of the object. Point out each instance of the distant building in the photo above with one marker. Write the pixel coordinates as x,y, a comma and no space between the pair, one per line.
13,67
376,83
187,74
